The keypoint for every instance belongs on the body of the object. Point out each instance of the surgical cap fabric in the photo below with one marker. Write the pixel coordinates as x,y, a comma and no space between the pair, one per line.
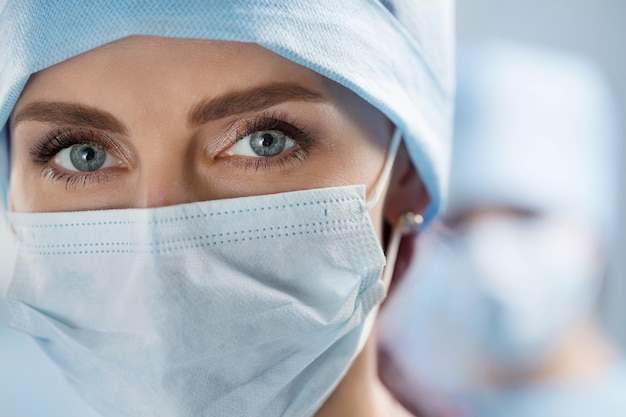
535,130
396,54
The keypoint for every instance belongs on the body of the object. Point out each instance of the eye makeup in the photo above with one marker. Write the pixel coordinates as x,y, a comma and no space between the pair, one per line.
45,151
277,122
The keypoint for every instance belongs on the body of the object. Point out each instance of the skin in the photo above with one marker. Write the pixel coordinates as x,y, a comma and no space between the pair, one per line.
160,156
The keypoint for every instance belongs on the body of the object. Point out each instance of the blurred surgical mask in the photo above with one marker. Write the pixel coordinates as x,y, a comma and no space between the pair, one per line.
497,295
519,284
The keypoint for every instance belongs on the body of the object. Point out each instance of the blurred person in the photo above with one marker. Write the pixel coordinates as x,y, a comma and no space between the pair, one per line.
208,196
499,315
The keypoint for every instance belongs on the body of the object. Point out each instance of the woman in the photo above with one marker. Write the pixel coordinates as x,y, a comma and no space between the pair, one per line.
202,194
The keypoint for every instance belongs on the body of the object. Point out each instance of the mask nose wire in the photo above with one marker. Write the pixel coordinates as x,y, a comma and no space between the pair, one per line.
383,179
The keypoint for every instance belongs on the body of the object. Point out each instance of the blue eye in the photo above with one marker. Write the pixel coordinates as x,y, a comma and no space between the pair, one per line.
84,158
268,143
87,157
264,143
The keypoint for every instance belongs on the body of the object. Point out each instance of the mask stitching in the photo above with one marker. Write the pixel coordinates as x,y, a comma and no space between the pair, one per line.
179,244
186,218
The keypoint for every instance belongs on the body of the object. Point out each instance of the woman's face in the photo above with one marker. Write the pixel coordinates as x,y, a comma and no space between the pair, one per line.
147,122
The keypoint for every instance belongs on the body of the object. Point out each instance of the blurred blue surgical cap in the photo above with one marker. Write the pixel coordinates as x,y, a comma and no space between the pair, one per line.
396,54
536,130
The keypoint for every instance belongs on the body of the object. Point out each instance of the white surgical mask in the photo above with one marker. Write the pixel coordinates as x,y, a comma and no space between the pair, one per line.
252,306
523,283
498,295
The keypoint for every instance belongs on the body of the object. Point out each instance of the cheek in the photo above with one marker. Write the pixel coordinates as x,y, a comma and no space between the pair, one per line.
18,198
25,194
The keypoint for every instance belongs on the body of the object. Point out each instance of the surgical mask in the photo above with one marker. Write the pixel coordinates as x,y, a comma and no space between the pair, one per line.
527,281
498,295
252,306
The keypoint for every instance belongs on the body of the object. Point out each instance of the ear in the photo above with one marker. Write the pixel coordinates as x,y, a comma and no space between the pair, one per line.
406,193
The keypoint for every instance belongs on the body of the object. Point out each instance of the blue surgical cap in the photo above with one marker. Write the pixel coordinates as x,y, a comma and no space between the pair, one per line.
536,130
396,54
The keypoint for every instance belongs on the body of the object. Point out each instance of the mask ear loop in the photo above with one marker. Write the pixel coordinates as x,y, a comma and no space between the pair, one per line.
404,223
386,173
407,224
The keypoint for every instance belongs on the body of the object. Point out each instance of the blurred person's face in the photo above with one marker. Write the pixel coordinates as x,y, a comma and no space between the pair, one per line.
550,225
496,292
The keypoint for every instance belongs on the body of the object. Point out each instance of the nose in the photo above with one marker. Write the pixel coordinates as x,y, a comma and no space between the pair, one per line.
164,192
169,178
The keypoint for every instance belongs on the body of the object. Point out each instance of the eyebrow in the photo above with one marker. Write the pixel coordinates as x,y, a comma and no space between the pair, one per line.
250,100
70,114
233,103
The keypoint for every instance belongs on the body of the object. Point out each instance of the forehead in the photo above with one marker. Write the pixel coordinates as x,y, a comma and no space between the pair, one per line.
140,64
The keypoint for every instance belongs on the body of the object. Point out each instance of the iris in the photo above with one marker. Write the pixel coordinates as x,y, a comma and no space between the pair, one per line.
87,157
268,142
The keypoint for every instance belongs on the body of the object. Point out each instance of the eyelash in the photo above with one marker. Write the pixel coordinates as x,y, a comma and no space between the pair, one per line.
278,122
57,140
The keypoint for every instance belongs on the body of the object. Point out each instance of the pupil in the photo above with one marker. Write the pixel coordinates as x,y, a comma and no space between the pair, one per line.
89,154
268,139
